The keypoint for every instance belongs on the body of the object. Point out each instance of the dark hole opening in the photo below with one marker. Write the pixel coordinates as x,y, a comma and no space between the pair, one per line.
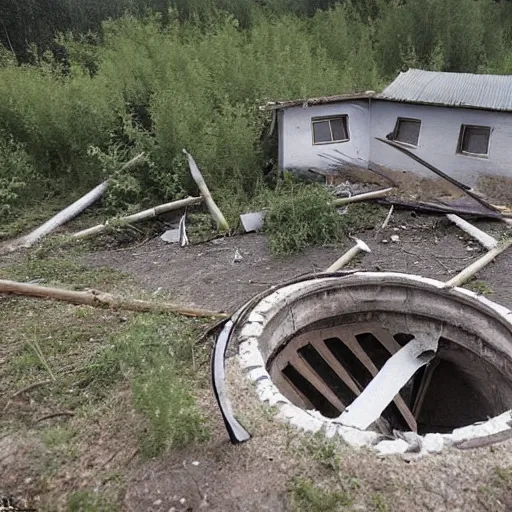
327,374
318,401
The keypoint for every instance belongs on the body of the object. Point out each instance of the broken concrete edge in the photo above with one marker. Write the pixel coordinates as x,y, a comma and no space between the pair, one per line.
254,366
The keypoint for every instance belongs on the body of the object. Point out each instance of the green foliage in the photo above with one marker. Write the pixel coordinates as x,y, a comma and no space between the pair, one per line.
89,501
16,176
157,353
307,497
300,216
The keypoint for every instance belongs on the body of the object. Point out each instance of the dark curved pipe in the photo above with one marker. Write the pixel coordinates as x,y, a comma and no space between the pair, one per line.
237,433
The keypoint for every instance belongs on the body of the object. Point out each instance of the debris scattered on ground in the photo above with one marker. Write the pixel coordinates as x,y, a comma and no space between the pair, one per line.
237,258
395,238
171,236
252,221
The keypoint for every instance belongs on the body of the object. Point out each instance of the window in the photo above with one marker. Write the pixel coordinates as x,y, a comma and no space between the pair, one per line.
407,131
474,140
331,129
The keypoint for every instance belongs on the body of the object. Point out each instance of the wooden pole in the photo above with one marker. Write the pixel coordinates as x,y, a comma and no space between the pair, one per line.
137,217
215,212
100,299
476,266
346,258
67,214
376,194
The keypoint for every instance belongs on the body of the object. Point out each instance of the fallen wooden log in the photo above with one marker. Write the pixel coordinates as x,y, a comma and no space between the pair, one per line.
101,300
215,212
137,217
67,214
483,238
478,265
376,194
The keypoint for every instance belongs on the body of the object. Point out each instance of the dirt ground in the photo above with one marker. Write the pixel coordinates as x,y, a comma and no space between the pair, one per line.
206,275
260,474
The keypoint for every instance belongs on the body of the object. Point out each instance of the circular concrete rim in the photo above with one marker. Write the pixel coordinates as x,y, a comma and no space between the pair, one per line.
254,322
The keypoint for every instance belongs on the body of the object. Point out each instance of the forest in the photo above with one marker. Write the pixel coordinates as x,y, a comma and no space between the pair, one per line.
85,84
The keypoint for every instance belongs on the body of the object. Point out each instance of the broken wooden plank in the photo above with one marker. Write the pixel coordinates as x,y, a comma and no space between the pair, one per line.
352,343
367,196
394,375
483,238
346,258
478,265
214,210
426,207
464,188
137,217
100,299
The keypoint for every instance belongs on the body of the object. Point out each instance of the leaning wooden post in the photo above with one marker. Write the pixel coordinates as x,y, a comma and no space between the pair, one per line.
215,212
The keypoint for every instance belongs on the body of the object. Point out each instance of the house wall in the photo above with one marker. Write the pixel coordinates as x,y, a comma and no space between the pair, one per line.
296,148
439,136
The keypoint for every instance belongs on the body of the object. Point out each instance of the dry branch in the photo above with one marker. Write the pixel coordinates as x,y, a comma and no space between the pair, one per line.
100,299
376,194
137,217
68,213
215,212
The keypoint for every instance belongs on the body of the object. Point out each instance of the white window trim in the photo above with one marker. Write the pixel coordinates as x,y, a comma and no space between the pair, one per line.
343,117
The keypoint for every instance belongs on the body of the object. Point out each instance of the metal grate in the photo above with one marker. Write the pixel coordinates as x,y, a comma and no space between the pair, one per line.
327,369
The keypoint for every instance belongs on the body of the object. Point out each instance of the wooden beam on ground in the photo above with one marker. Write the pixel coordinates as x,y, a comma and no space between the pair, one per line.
137,217
100,299
367,196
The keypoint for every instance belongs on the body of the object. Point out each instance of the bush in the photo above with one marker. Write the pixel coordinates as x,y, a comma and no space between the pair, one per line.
300,216
17,177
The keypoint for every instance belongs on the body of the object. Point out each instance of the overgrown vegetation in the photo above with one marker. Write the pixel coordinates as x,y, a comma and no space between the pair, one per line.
92,93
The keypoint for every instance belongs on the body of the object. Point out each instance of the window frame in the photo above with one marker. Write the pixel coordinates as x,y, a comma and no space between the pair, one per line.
397,125
344,120
462,133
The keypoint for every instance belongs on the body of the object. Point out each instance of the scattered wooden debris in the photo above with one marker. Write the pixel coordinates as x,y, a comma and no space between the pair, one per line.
182,231
425,207
349,256
388,217
367,196
215,212
100,299
137,217
478,265
67,214
486,240
464,188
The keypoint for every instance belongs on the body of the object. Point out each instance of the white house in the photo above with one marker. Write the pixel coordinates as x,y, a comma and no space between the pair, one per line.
461,123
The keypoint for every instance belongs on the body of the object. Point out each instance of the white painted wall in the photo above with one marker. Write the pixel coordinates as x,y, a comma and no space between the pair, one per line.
297,150
439,136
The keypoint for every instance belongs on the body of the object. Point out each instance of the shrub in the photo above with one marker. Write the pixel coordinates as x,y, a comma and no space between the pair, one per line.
301,216
17,177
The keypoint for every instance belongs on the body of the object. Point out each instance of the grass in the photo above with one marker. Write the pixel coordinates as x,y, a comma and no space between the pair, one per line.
82,359
479,287
308,497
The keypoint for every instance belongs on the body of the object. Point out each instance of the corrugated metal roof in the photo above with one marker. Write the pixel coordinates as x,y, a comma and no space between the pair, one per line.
489,92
